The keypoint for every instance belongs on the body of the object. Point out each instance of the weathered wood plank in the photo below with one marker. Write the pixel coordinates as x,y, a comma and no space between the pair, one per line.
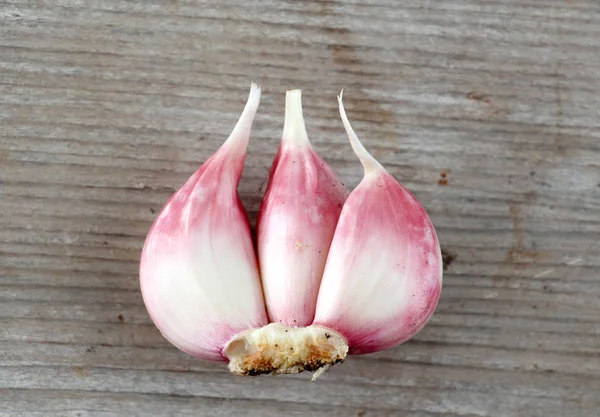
107,106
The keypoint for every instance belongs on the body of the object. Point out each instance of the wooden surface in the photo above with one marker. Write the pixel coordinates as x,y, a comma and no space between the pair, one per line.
107,106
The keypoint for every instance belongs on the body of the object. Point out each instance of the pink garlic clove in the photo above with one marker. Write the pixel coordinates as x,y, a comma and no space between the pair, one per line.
296,222
198,272
383,276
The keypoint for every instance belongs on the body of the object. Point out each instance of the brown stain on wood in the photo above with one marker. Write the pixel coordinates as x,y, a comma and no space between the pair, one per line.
472,95
443,178
518,252
82,371
518,257
447,258
343,52
515,213
493,109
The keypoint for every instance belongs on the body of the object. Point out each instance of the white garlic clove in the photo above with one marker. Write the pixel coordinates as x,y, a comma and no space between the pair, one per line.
296,222
383,276
198,271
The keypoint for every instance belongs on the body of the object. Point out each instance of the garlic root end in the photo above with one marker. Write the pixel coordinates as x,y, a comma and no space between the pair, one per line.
277,349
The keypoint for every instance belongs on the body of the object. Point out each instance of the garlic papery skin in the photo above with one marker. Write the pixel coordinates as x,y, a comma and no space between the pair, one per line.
383,276
296,222
198,271
279,349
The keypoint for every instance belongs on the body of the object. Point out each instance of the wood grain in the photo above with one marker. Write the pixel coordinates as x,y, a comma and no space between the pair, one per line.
487,111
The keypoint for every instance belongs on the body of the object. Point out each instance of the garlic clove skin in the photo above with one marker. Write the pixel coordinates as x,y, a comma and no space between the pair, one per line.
198,270
296,222
383,276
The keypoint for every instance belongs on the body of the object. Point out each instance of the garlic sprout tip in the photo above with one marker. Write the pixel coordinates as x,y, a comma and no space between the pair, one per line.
370,164
294,128
239,137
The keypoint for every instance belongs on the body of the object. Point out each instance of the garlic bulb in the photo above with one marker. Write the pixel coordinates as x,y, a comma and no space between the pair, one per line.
341,273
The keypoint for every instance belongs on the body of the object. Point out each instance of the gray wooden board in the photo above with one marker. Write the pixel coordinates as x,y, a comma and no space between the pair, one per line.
107,106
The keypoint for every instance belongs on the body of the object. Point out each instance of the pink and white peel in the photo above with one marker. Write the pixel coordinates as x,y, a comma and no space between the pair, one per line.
383,276
198,271
296,222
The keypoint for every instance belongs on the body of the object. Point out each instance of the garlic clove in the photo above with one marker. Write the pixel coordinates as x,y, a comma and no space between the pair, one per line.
296,222
198,271
383,276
